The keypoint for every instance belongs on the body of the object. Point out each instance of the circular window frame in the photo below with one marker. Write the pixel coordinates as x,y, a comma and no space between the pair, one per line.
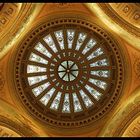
101,33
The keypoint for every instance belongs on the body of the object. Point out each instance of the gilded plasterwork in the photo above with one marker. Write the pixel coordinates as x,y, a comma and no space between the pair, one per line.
6,132
14,123
133,129
19,20
129,12
117,23
125,117
13,22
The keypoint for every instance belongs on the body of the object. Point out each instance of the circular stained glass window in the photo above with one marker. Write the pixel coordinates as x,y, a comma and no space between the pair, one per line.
68,74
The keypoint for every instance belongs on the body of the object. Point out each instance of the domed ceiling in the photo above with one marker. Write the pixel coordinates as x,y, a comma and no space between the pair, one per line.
123,18
71,66
69,72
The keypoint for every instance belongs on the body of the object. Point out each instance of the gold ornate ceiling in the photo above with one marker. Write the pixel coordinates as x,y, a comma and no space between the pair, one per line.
122,18
20,23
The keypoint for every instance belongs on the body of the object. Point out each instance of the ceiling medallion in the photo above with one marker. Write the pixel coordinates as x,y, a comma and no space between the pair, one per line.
68,72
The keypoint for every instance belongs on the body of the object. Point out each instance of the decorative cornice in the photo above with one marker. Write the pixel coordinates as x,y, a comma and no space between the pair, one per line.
131,28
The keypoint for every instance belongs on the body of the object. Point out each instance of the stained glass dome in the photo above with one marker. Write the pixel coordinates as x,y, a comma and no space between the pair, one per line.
68,72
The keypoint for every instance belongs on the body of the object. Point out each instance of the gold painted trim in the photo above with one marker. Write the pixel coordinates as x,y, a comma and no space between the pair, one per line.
22,23
123,116
115,27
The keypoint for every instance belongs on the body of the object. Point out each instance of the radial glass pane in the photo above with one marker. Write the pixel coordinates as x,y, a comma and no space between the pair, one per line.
39,47
64,64
66,104
96,53
48,39
70,37
98,83
38,90
45,99
74,67
60,38
66,77
101,73
36,58
80,40
71,77
93,92
70,63
76,102
61,74
75,73
36,79
99,63
87,101
60,68
56,102
35,69
91,43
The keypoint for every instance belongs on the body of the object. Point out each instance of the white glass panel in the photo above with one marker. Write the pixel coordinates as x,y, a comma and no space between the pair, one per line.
74,67
71,77
89,46
66,104
70,37
56,101
64,64
38,90
70,63
80,40
35,69
98,83
77,105
36,79
61,74
37,58
75,73
45,99
65,78
39,47
48,39
93,92
96,53
103,62
88,103
100,73
60,38
60,68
